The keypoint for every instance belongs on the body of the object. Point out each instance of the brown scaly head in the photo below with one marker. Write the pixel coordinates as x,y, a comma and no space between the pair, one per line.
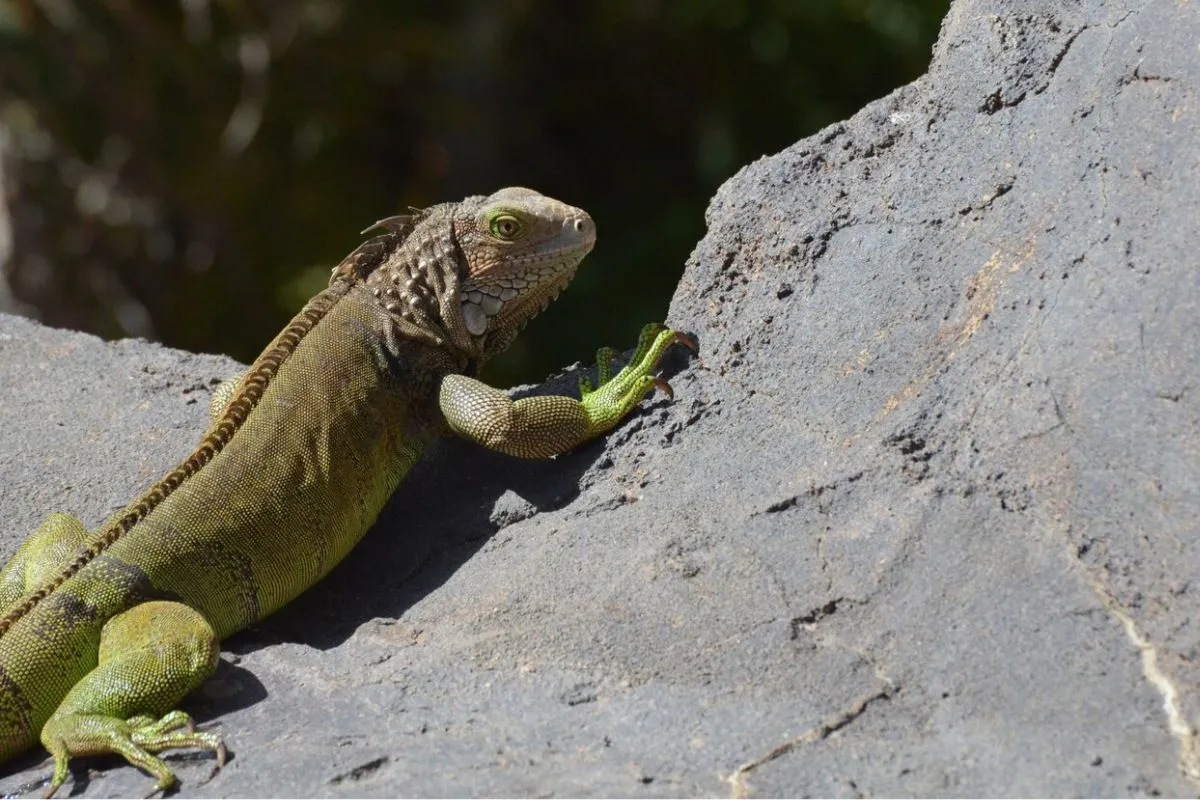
470,275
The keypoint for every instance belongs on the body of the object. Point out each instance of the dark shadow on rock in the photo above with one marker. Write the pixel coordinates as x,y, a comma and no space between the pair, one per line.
443,512
31,759
231,688
456,498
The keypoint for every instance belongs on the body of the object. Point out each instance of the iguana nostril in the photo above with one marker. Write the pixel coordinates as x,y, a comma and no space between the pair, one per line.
581,226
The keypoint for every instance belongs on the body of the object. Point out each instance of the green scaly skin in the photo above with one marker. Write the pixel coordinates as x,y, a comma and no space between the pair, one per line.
104,633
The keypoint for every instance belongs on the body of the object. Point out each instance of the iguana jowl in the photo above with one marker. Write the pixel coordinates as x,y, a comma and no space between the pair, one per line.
104,633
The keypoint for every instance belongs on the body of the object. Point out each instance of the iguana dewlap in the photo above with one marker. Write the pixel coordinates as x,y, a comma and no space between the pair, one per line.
104,633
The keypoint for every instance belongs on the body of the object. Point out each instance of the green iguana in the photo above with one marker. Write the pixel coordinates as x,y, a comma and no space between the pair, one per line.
104,633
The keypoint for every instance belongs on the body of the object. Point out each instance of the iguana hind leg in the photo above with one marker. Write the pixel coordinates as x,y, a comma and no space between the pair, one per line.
150,657
42,555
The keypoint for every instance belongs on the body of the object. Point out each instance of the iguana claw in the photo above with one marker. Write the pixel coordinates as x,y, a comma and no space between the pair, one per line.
687,341
221,754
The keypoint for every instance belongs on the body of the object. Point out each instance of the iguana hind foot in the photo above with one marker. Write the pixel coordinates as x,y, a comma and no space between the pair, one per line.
150,657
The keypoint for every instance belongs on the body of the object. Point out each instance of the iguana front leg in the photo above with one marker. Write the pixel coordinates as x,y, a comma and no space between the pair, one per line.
150,657
540,427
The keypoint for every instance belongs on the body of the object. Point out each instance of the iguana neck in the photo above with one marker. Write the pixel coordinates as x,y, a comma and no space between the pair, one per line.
414,272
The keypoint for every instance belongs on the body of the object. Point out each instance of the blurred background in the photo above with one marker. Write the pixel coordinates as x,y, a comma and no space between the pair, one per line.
189,170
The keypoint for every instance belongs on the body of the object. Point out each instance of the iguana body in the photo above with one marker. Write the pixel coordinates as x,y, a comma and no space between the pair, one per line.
105,633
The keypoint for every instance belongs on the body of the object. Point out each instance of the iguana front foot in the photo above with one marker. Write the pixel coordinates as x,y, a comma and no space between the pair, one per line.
150,657
615,396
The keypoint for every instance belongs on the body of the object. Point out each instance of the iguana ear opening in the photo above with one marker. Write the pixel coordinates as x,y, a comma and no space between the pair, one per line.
474,317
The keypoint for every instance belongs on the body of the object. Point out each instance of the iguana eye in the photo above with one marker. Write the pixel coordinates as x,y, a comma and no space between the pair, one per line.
506,226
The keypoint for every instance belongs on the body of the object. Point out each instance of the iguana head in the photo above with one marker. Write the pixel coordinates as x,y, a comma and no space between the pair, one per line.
471,274
521,250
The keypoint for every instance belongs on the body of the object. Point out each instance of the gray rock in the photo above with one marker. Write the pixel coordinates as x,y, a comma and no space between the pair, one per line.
922,519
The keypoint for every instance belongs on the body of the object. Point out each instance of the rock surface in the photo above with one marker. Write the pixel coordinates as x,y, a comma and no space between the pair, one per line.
923,519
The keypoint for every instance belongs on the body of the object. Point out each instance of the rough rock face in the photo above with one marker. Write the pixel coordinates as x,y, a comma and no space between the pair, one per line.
923,519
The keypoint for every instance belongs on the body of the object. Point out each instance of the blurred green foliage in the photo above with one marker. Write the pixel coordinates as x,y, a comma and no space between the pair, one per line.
189,170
